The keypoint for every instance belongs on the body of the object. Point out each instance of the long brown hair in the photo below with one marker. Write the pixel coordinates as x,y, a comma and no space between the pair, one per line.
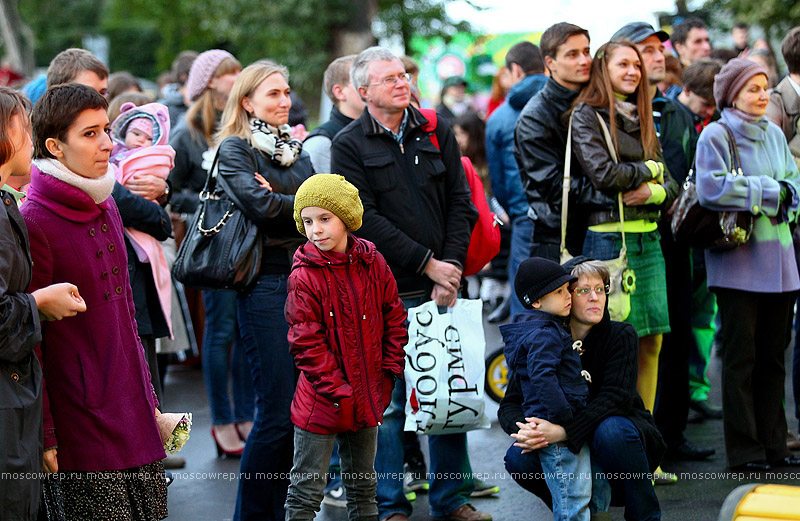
599,93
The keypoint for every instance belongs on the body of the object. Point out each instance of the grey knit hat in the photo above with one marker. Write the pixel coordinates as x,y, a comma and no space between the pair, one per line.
732,78
203,69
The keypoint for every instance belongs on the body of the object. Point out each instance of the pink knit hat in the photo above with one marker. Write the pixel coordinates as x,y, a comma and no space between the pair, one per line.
143,125
732,78
203,69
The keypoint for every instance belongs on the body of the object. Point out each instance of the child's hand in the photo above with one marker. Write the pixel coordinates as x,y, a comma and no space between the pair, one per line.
263,182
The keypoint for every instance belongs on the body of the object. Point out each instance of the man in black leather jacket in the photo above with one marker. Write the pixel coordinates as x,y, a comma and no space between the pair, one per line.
541,139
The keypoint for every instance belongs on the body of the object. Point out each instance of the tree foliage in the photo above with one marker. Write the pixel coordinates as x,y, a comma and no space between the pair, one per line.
59,25
776,17
409,18
145,35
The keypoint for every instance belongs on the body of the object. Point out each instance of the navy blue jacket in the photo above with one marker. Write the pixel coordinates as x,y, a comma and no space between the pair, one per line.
503,169
539,348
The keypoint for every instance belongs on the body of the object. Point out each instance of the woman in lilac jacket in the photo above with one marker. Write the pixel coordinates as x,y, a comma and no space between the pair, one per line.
755,283
99,404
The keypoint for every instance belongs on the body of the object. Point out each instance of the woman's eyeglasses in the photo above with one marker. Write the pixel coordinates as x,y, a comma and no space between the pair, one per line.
582,292
391,81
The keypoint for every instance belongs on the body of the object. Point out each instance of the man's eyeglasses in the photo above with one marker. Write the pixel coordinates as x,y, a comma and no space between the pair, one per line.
582,292
391,81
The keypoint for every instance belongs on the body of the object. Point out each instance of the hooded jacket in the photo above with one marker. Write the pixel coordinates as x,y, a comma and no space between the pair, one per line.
539,348
158,115
503,170
610,356
346,333
143,243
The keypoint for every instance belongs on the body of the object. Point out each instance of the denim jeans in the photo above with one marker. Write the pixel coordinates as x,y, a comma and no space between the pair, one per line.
220,331
617,448
267,458
357,457
569,478
448,457
521,233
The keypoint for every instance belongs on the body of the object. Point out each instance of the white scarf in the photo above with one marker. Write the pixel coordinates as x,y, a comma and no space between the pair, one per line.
98,189
277,142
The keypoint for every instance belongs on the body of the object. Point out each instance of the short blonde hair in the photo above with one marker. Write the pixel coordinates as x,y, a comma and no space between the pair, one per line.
592,268
235,120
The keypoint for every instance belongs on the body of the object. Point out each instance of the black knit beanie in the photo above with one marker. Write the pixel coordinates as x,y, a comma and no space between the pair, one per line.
537,277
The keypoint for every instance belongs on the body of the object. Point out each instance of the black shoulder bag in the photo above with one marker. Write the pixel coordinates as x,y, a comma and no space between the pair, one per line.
698,227
222,247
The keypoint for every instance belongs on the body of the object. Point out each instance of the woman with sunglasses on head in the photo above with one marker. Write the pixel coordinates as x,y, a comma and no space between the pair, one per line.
622,436
755,283
632,165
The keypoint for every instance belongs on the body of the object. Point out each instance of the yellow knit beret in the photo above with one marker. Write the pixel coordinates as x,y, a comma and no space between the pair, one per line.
332,192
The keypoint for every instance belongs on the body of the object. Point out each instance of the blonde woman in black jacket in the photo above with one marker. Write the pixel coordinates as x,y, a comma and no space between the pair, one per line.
256,139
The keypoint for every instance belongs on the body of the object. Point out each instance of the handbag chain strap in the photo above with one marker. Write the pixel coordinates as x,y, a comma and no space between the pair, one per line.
613,152
208,193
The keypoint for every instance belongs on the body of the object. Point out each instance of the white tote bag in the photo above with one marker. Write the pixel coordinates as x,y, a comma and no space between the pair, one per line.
445,369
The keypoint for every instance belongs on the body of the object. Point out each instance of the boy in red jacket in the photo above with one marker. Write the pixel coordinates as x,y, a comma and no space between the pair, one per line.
346,333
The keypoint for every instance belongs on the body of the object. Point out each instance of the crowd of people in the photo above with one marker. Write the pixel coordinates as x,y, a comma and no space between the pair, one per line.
370,214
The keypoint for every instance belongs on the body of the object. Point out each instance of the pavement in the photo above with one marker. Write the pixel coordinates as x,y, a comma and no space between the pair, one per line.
206,488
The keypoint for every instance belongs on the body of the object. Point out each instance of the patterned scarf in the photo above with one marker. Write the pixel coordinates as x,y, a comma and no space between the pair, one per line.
276,142
627,109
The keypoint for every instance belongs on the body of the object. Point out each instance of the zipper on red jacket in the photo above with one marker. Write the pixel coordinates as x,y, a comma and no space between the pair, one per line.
360,340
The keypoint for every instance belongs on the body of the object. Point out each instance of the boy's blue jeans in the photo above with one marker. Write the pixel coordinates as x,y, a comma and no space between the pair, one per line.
448,456
569,478
616,448
311,456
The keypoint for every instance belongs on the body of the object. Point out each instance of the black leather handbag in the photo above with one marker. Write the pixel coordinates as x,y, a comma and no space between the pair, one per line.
698,227
222,247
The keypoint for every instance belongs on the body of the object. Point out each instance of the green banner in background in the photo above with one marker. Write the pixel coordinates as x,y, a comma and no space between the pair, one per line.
475,57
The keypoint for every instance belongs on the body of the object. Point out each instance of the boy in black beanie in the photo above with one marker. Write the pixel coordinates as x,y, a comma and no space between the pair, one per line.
539,350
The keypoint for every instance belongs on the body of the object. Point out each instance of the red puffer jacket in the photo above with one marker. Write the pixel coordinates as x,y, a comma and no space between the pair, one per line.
346,333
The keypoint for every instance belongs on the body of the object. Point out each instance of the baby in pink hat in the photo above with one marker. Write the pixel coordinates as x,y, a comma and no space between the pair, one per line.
141,136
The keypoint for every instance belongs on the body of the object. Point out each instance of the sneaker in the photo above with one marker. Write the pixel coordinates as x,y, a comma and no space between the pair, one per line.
335,497
410,494
664,478
792,443
466,512
415,478
483,489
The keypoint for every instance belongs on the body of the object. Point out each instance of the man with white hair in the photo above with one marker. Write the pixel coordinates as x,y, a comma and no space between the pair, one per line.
418,212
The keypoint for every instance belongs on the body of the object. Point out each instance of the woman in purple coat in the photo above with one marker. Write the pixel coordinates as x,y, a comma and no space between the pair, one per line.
100,432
